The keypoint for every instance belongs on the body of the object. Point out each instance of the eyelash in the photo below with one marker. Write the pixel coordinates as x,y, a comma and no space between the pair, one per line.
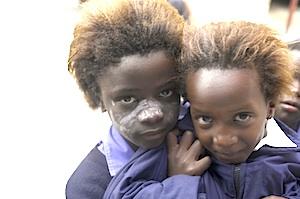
129,100
248,117
123,100
203,120
171,93
206,121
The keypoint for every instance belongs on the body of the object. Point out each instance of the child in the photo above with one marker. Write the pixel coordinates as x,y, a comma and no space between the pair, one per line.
288,110
235,73
124,58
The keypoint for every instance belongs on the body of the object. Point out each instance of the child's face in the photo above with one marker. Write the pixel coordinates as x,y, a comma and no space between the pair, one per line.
228,111
288,109
141,97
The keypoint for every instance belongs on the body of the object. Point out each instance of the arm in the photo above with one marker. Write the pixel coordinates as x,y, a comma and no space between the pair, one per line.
90,179
145,176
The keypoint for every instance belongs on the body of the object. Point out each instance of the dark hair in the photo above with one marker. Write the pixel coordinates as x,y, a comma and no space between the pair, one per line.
112,29
242,45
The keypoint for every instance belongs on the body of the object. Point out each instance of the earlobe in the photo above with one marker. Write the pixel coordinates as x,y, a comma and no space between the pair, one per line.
271,110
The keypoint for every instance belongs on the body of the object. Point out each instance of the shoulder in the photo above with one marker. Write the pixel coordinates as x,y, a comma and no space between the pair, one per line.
91,177
290,133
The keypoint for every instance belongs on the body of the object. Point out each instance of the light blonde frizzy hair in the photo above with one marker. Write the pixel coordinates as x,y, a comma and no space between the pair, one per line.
109,30
240,45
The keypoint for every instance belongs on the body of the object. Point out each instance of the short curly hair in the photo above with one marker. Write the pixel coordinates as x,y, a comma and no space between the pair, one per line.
241,45
111,29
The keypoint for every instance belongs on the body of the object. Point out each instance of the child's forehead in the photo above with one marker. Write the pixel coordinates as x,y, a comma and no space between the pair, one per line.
139,63
227,90
220,77
296,57
138,69
156,55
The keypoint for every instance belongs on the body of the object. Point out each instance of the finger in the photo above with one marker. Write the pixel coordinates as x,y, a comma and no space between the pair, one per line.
202,152
186,140
202,165
172,142
195,150
175,132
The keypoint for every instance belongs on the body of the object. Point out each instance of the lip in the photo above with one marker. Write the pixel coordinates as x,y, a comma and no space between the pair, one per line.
290,106
154,134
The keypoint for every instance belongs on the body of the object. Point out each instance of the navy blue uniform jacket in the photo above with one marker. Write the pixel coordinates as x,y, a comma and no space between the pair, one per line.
268,171
90,179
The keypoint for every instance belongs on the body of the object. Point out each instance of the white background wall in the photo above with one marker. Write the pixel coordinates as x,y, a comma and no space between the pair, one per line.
46,127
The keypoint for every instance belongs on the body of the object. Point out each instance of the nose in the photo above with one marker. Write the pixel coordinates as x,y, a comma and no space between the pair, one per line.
225,140
151,115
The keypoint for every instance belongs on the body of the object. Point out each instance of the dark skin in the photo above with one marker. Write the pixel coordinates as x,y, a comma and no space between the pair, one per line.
229,114
229,111
288,110
141,97
219,99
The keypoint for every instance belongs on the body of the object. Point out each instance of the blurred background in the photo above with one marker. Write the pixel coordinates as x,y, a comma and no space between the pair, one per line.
46,127
282,15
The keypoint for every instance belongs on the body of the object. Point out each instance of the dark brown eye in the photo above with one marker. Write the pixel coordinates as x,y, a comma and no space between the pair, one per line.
242,117
166,93
205,120
128,100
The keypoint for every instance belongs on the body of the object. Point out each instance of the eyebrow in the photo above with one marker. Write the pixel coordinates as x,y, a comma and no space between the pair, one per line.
171,80
124,90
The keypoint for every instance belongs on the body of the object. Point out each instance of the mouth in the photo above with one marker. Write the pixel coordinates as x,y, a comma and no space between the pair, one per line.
290,106
154,134
228,158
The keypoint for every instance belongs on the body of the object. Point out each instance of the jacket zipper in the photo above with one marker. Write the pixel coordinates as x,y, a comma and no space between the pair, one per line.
236,177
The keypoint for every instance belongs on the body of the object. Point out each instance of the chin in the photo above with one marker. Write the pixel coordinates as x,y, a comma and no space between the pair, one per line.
154,145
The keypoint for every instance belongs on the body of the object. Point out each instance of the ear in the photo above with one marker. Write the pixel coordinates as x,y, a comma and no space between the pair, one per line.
102,106
271,110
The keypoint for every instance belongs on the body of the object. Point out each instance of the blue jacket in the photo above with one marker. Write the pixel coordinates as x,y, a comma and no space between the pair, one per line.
92,176
268,171
90,179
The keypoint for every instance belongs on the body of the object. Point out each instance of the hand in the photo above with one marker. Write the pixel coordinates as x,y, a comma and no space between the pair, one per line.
273,197
183,157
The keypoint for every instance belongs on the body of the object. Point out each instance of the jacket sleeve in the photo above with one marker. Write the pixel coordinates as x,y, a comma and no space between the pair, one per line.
145,176
90,179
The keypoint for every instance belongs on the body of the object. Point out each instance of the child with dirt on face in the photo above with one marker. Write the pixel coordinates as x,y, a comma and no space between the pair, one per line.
124,56
234,74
